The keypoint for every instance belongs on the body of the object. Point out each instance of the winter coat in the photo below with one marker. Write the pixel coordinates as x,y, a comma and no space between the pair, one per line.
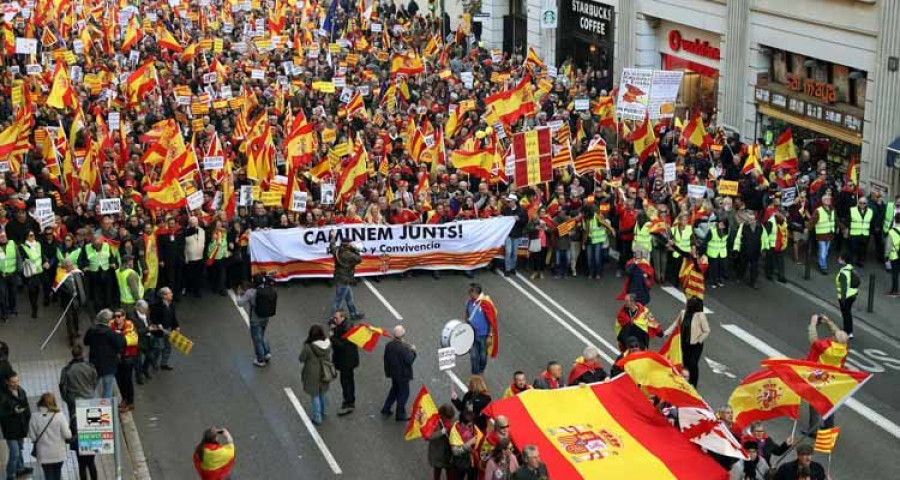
77,380
54,441
346,354
14,414
345,261
105,346
439,453
312,356
398,361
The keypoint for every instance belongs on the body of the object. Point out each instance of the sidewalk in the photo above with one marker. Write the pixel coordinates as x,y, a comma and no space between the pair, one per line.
39,373
883,318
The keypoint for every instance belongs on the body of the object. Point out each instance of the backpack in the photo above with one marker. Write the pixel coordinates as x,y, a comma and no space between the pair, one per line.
855,281
329,372
266,302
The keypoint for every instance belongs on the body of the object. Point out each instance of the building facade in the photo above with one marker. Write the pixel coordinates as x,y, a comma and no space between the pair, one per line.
828,69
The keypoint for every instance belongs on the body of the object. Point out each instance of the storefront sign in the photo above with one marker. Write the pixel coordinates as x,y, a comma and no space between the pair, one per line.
591,17
807,108
549,14
826,92
702,48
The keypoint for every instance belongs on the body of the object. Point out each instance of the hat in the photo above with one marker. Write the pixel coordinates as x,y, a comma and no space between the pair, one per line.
513,197
805,449
750,445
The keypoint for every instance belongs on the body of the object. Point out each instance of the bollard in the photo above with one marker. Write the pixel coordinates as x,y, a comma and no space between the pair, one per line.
871,305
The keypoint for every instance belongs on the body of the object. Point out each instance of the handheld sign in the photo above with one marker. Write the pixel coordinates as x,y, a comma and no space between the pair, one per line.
446,358
110,206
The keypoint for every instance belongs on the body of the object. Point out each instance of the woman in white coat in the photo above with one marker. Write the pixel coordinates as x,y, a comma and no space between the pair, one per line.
49,432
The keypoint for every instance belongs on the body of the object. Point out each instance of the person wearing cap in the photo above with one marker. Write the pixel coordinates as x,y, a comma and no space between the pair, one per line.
511,245
131,288
754,468
804,462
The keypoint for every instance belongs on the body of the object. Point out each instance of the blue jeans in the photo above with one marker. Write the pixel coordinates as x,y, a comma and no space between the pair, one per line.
163,351
510,253
596,254
258,335
106,384
399,393
478,355
341,293
824,245
318,410
15,463
561,258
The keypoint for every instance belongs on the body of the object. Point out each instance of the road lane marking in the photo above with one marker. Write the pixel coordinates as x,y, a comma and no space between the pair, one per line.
239,309
556,317
591,332
853,404
718,368
383,300
312,431
679,295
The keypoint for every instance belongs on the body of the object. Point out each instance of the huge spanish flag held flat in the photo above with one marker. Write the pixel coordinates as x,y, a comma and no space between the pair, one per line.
762,396
824,387
604,430
658,376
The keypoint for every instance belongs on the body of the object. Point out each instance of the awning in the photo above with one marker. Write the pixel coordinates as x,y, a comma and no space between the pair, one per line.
892,151
811,124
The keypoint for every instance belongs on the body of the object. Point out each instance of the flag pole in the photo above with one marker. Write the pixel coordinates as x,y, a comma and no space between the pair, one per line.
794,428
58,322
828,470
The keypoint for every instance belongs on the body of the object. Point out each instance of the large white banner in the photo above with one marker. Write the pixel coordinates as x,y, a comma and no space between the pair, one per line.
385,249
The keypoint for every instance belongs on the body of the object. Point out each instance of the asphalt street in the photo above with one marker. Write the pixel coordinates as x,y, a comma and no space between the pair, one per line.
540,320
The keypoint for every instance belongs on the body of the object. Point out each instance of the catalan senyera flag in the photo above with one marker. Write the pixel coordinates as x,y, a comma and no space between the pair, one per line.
695,132
409,64
424,418
593,159
533,153
563,157
364,336
762,396
566,227
604,430
785,151
671,348
512,104
824,387
658,376
645,141
826,438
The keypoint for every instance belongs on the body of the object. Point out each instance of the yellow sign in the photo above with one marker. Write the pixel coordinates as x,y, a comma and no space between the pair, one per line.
271,199
334,47
324,87
728,187
329,135
255,192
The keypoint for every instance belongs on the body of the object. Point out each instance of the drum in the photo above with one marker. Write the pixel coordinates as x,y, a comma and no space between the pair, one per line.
459,335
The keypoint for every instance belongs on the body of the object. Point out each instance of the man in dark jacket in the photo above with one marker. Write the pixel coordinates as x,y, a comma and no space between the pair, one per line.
171,256
15,415
346,258
511,245
105,346
398,361
345,356
163,321
750,241
78,379
789,471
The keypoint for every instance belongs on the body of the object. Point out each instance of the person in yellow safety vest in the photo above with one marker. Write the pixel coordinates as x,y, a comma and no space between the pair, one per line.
892,252
101,268
890,215
33,265
777,230
131,288
9,268
681,235
860,228
216,253
823,226
717,253
828,351
751,240
847,284
597,231
643,242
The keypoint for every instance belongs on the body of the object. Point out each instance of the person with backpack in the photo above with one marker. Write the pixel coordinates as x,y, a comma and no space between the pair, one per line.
847,284
318,369
262,301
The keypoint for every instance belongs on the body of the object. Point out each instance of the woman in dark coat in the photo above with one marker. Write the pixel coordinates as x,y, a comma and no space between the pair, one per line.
315,374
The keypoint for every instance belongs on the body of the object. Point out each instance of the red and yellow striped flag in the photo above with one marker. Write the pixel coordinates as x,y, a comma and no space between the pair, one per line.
593,159
826,438
671,348
762,396
604,430
424,418
566,227
824,387
365,336
655,374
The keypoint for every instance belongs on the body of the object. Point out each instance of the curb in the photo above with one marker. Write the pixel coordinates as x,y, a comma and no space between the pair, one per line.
869,321
133,443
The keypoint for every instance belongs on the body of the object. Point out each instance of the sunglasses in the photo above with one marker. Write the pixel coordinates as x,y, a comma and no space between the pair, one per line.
119,315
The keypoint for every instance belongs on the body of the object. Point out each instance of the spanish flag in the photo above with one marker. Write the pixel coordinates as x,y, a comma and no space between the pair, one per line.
61,93
165,196
365,336
671,348
132,35
511,105
487,307
604,430
605,108
655,374
762,396
645,141
695,133
165,39
826,438
424,418
785,152
477,163
534,60
217,462
853,171
151,256
141,81
824,387
61,276
752,161
410,64
355,173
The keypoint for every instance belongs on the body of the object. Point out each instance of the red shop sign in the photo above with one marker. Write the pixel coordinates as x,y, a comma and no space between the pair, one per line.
695,46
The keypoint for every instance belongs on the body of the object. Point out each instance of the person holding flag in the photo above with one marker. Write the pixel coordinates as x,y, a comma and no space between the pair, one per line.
345,357
481,314
69,289
687,333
